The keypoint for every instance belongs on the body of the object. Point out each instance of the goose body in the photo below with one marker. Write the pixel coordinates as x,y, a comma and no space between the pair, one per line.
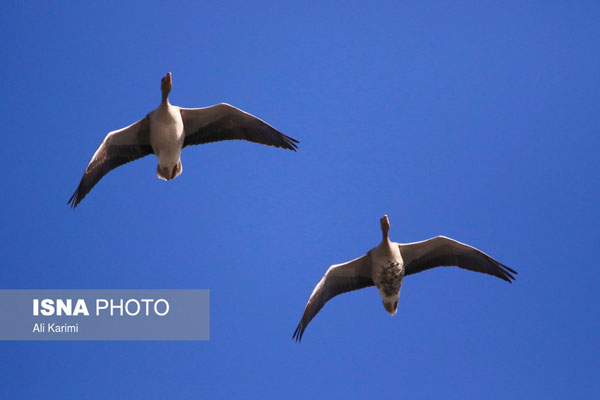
386,265
166,130
166,138
388,274
387,269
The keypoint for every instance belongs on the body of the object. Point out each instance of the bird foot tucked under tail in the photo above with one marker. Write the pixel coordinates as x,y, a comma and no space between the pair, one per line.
391,306
162,173
167,173
177,170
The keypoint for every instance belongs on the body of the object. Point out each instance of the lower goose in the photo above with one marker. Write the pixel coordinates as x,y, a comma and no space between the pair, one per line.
386,265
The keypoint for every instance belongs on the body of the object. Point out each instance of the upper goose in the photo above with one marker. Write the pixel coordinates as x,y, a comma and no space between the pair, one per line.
167,130
386,265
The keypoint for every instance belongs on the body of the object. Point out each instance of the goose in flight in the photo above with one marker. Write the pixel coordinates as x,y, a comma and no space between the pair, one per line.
386,265
167,130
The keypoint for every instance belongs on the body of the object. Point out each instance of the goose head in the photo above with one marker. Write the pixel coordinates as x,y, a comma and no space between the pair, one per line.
385,226
166,83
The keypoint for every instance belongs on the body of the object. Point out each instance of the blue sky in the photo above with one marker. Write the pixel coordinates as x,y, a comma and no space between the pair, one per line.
477,120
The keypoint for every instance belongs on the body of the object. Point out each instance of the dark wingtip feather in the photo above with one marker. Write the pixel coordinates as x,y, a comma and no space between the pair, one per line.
290,143
510,269
298,333
74,200
507,273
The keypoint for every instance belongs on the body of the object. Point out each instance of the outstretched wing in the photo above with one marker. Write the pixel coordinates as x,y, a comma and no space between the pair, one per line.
117,148
442,251
340,278
225,122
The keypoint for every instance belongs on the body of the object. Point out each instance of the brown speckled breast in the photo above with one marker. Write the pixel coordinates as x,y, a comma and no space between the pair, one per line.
390,278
